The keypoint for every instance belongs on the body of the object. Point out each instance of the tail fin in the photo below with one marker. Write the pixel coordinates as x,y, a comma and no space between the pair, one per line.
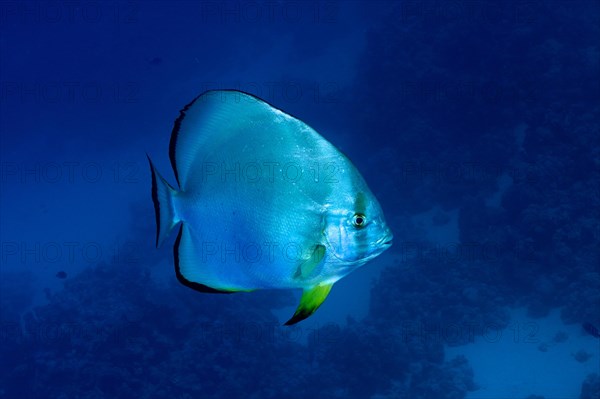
162,196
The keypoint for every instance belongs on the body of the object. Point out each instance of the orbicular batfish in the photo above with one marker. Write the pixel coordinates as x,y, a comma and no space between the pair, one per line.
263,202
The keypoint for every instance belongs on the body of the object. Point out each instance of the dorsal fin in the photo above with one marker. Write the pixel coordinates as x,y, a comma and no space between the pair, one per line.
212,117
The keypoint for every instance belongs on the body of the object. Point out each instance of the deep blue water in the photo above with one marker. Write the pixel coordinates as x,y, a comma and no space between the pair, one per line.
475,123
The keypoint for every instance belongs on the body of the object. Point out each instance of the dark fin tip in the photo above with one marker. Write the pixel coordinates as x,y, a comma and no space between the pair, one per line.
298,317
190,284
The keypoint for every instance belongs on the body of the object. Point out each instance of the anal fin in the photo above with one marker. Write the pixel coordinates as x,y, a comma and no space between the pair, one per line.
311,300
189,271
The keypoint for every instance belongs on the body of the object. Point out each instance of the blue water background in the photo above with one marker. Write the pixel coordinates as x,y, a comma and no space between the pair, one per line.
475,123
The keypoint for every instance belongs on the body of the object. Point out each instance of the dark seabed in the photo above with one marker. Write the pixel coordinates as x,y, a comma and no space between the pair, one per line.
475,123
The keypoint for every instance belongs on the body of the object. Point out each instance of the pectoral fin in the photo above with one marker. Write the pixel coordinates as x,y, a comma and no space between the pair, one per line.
311,299
309,265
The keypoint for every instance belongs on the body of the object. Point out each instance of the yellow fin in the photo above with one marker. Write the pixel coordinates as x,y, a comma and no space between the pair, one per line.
311,300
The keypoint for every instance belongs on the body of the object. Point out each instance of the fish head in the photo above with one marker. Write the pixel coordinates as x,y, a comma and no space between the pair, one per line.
355,228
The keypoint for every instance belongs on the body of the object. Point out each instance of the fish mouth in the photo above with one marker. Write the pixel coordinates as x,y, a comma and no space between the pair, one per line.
373,249
386,240
381,245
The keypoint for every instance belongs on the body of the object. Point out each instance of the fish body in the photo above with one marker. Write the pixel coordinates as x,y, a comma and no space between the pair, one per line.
263,202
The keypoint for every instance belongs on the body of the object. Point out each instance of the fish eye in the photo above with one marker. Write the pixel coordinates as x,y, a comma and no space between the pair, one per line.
359,220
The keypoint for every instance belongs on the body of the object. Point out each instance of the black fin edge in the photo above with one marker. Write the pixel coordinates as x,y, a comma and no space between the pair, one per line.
190,284
175,133
298,317
155,199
